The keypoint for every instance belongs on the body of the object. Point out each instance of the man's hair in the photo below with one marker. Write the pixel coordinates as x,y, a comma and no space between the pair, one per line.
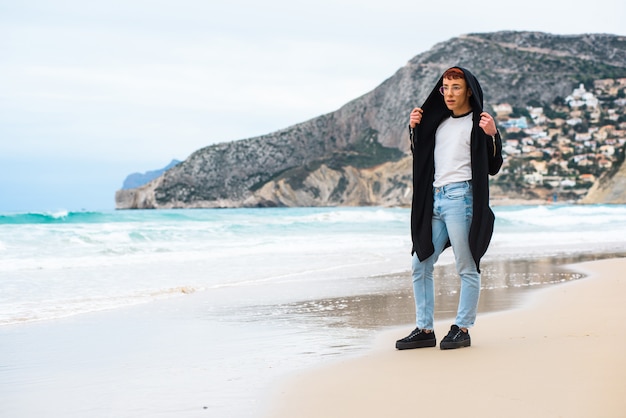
453,74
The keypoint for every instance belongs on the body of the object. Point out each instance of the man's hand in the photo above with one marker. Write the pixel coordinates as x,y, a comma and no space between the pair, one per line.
487,124
416,117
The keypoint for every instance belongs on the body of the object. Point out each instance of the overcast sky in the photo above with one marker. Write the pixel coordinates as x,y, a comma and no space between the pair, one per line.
91,91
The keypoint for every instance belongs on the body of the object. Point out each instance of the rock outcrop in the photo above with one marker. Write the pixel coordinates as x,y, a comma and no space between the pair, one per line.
388,184
610,189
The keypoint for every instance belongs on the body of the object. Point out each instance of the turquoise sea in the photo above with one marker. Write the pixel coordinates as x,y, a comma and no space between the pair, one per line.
239,297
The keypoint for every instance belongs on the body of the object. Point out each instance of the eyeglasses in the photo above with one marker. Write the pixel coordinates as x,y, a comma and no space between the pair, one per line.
456,90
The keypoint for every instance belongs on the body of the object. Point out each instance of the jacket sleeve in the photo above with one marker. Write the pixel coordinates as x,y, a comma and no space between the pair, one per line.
494,149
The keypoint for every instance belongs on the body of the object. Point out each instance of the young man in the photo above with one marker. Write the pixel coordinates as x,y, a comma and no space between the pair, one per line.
455,147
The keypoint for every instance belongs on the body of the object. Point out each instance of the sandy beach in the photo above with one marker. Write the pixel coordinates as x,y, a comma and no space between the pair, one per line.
134,315
560,355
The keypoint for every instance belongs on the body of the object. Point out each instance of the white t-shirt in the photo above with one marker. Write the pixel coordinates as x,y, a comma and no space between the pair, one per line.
453,160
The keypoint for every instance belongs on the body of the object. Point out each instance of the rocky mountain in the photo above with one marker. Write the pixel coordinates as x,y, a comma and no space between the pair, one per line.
357,155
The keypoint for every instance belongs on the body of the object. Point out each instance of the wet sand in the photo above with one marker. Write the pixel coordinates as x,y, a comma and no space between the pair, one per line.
559,353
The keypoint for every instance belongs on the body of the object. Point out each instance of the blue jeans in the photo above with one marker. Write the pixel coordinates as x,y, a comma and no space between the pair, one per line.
452,216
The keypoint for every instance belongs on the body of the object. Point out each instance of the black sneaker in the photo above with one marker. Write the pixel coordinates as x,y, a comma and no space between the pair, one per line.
417,339
456,338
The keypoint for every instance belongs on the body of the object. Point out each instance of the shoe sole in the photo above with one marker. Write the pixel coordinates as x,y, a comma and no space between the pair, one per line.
452,346
416,344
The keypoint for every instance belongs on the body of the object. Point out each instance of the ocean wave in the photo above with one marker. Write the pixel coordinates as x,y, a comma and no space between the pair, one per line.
61,216
563,217
122,251
358,216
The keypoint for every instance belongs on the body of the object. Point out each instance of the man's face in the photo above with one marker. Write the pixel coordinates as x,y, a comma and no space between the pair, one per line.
456,95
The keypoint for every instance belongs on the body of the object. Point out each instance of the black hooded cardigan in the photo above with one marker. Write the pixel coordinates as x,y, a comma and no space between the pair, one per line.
486,158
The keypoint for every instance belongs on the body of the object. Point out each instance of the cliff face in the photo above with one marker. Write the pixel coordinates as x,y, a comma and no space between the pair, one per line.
357,155
611,189
386,185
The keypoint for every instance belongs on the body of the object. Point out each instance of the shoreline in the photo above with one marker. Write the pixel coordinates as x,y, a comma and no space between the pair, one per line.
559,354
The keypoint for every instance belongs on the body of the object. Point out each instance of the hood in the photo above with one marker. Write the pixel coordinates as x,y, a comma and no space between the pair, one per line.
435,108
